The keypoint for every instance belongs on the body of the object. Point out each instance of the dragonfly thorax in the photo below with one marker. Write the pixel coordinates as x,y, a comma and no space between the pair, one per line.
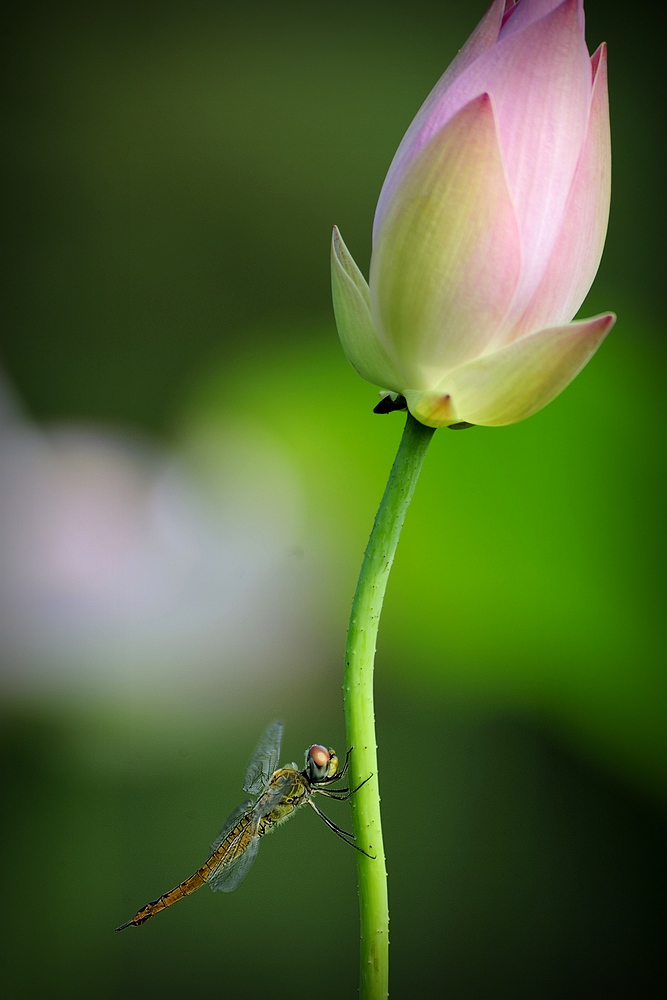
321,763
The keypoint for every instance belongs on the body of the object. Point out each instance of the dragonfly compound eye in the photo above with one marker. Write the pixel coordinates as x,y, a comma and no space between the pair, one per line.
317,761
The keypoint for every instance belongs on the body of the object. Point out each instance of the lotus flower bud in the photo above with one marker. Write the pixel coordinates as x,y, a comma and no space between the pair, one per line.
489,228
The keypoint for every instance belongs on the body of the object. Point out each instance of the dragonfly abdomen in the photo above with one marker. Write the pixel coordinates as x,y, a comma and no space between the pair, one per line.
167,898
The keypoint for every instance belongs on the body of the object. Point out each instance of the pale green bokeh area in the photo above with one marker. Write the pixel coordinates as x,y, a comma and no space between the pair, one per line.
523,572
173,175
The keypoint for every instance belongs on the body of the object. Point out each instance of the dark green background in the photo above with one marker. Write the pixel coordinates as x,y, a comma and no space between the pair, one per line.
171,174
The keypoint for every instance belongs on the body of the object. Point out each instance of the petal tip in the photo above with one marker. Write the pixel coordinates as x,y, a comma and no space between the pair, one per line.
599,325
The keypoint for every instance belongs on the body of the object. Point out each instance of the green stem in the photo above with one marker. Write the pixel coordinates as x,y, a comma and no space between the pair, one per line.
359,708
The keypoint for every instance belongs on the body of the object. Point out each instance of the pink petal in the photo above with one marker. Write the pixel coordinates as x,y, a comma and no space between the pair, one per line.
540,81
576,255
522,14
542,86
447,258
483,37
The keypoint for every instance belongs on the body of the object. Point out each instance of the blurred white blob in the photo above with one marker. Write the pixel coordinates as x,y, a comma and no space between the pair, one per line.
131,572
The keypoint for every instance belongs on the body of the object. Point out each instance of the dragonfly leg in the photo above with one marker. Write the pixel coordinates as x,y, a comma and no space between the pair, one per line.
342,793
336,793
361,783
339,774
343,834
343,770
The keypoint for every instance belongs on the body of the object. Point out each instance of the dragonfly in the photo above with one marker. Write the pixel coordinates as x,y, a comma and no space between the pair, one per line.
280,792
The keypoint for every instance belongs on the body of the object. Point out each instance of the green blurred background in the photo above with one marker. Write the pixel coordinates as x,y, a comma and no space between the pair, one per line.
189,474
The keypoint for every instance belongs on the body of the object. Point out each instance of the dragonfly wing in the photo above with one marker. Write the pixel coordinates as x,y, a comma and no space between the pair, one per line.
229,876
264,761
238,814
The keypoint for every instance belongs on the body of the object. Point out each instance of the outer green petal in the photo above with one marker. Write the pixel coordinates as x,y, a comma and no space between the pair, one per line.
353,318
447,256
514,382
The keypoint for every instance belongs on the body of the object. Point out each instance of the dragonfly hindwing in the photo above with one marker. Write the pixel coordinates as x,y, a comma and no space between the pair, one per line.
229,876
238,813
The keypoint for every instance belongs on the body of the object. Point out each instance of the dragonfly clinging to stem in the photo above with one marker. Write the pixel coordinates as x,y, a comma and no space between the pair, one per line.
280,792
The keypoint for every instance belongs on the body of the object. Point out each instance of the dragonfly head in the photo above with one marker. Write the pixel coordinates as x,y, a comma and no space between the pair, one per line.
321,763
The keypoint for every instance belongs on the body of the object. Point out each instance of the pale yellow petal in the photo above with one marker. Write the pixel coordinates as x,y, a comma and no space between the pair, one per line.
514,382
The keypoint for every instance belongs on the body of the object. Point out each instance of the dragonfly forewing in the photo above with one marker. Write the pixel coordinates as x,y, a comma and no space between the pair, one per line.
264,761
